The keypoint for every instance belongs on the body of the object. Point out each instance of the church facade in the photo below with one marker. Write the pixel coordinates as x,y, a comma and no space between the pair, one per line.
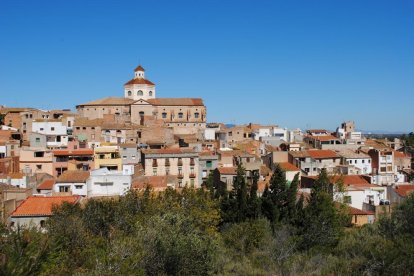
141,106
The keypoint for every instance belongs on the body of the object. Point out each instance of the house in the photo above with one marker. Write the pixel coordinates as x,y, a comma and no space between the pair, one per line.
398,193
108,157
208,162
358,159
360,217
357,191
35,210
108,183
225,175
55,131
156,183
383,166
130,153
10,198
311,162
72,182
46,187
183,163
290,170
76,159
18,180
36,160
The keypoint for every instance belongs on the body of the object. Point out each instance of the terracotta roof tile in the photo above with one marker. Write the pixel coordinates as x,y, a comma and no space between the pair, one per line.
139,68
139,81
288,166
46,185
176,101
110,101
227,170
404,190
322,154
41,206
73,177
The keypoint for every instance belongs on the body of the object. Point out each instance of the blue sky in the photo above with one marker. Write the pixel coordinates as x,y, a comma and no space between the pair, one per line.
308,64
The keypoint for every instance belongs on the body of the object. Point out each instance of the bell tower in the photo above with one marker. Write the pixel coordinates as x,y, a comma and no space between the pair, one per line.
139,87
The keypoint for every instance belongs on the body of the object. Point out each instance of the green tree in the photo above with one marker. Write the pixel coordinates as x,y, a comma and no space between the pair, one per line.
321,223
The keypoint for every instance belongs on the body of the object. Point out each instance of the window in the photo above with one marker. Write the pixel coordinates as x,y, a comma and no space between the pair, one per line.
39,167
39,154
78,187
196,115
41,129
63,189
307,170
154,171
164,115
167,171
37,139
141,113
209,164
150,93
180,170
230,133
140,93
52,129
180,115
363,161
42,224
129,93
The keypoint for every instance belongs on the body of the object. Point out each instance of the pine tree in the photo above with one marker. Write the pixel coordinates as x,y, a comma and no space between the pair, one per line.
278,191
254,201
291,198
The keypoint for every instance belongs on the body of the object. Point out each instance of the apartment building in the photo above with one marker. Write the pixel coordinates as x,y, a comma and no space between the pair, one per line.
183,163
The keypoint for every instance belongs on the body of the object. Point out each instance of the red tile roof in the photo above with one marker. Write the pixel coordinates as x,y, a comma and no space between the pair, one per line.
139,68
358,212
73,152
404,190
73,177
46,185
288,166
399,154
176,101
324,138
322,154
41,206
139,81
228,170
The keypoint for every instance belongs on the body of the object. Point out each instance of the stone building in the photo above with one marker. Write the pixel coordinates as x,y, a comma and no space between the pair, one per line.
140,106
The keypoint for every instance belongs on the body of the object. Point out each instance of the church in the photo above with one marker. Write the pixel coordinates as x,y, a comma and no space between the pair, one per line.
141,106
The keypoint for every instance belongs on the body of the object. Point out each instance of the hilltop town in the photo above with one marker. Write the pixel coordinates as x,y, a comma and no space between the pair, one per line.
110,146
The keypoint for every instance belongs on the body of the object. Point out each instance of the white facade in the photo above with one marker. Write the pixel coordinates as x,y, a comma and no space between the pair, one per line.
16,182
210,134
56,132
357,198
139,89
74,188
103,182
364,164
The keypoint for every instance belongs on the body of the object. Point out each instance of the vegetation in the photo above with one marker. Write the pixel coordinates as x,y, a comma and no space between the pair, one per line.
209,231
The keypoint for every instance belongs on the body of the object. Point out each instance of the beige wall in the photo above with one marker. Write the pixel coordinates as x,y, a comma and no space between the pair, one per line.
36,164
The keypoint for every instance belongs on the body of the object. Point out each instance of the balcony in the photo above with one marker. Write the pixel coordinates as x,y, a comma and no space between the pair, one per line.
180,162
192,175
180,175
154,163
192,163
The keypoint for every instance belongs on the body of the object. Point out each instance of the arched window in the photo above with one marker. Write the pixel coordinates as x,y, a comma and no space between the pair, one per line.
140,93
150,93
196,115
129,93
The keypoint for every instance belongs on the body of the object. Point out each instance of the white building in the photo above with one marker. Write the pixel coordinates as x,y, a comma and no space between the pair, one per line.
357,159
103,182
56,132
73,182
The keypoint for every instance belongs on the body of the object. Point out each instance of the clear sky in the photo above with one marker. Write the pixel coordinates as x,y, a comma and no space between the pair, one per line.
308,64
